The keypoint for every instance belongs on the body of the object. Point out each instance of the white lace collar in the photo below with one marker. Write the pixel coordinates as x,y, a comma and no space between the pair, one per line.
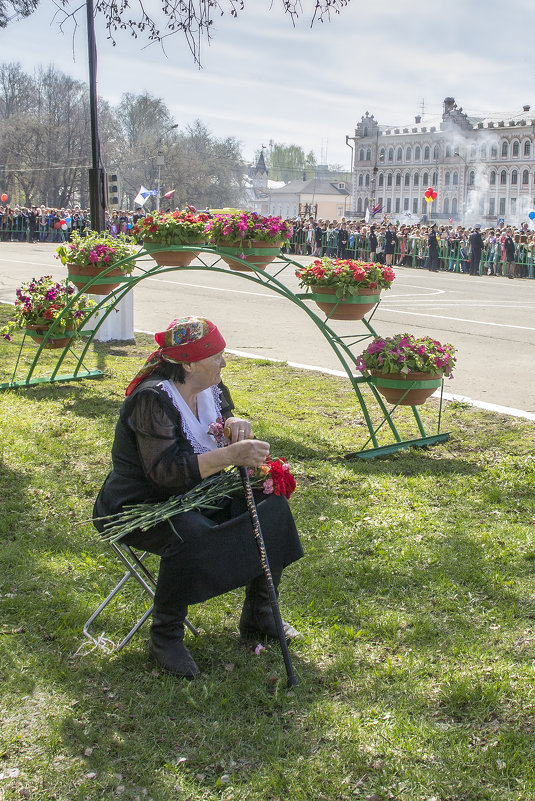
208,410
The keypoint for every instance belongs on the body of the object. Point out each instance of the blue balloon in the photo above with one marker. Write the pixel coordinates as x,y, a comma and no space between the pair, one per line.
531,215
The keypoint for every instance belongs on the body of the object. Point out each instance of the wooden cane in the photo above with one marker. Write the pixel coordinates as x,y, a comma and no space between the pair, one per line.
253,512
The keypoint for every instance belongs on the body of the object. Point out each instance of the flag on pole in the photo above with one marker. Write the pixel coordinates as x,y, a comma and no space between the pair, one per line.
376,209
367,216
169,194
143,194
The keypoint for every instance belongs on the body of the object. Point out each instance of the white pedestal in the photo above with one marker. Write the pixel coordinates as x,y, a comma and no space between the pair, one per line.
119,324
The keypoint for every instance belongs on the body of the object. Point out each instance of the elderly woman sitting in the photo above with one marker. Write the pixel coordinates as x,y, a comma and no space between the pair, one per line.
163,447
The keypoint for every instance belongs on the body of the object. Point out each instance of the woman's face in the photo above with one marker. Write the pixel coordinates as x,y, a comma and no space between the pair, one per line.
206,372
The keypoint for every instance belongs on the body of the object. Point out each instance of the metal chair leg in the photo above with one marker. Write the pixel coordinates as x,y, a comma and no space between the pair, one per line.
135,568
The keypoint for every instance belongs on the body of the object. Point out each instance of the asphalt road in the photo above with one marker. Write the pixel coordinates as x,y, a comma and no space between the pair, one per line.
490,320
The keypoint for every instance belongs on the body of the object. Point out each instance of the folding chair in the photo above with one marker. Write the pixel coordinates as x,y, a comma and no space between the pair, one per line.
135,568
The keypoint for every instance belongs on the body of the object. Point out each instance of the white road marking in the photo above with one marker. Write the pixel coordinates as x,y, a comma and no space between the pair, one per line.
458,319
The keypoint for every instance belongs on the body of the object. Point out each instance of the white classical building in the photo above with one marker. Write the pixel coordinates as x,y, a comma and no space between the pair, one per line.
483,169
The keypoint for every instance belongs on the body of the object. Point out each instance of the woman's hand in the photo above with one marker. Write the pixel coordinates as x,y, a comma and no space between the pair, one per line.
244,453
237,430
247,453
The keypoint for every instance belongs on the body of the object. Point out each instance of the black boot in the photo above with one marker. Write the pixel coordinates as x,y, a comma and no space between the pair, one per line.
166,644
167,647
257,620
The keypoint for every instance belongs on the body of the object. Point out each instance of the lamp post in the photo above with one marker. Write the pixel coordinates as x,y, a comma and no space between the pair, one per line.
465,193
96,173
161,162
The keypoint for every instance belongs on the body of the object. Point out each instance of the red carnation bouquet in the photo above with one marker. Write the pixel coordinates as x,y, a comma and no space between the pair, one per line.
274,477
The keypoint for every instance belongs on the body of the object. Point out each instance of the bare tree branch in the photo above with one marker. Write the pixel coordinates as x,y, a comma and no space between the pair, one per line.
192,18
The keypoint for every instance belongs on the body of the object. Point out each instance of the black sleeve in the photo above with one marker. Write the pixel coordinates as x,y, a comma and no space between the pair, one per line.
165,454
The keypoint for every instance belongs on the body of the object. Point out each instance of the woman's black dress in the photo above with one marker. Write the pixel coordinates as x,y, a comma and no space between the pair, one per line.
153,460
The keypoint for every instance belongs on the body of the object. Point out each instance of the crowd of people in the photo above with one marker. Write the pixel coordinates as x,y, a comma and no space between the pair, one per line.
42,224
500,250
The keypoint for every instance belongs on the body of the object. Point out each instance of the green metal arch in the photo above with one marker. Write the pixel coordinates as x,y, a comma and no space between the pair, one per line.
205,261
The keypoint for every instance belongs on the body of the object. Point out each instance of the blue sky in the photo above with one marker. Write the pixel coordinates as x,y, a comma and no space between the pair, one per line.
264,80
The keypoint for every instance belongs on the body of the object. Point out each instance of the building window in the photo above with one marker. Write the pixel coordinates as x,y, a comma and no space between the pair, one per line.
516,148
505,150
492,206
481,205
446,207
397,203
417,153
405,204
473,152
382,154
408,154
527,148
399,154
426,153
360,180
501,211
513,205
368,154
471,178
436,152
390,154
367,182
494,151
514,178
454,206
425,178
415,205
493,178
447,178
407,180
435,178
525,177
361,154
359,204
455,180
483,152
448,151
398,179
503,178
388,205
416,179
389,180
381,180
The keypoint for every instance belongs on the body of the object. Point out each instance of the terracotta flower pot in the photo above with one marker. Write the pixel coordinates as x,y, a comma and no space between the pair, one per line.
39,334
393,386
351,308
80,274
259,253
172,258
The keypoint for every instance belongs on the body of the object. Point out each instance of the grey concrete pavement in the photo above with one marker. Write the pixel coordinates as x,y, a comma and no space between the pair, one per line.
490,320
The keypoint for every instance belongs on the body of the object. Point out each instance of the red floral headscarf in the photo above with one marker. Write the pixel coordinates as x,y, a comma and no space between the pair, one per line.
187,339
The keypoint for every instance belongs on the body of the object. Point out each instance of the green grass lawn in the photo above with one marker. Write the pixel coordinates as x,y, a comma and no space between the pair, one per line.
416,600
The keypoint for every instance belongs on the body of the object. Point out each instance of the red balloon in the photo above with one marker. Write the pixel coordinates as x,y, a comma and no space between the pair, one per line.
428,193
4,197
434,195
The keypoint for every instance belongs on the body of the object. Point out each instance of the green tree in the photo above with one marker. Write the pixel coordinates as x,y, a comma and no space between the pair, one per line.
289,163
